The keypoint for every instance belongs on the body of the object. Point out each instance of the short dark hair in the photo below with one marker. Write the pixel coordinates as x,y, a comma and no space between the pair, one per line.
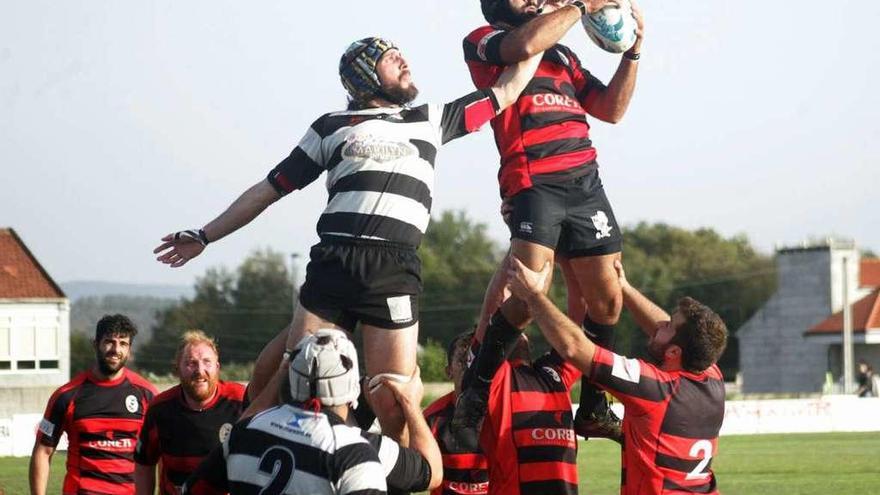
115,325
463,338
702,337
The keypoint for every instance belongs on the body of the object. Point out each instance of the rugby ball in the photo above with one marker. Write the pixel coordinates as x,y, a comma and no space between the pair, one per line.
613,27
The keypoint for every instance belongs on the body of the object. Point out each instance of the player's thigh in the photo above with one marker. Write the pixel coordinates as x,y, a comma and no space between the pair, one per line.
533,255
597,279
390,350
536,215
576,304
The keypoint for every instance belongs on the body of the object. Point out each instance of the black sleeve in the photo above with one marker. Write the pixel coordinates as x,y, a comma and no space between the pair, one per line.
467,114
584,81
484,45
210,477
304,164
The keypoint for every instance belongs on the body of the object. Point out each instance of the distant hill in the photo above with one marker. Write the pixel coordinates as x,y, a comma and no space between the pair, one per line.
91,288
90,300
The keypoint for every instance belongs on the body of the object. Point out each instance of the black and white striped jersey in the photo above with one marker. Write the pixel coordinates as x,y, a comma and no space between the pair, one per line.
380,165
290,451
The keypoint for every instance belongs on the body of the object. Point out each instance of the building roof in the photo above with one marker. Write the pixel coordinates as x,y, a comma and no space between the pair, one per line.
21,275
865,315
869,273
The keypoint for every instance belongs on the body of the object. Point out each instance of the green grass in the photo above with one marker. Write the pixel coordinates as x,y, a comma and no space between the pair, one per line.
804,464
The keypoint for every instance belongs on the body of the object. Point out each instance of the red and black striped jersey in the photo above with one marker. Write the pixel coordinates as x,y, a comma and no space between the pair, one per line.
671,424
102,419
463,472
544,136
528,434
181,437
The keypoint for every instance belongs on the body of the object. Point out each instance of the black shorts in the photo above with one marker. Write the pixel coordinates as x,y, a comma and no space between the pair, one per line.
354,280
573,217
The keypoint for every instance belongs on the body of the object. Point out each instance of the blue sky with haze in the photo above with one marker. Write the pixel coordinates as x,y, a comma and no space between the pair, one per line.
122,121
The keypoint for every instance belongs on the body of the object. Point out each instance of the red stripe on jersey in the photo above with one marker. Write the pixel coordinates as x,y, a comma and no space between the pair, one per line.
108,425
90,485
543,471
478,113
539,401
464,461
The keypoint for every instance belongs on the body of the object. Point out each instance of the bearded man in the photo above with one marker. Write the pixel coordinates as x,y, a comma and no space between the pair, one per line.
101,410
187,421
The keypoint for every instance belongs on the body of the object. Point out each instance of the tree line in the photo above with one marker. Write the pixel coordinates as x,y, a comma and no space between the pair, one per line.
244,308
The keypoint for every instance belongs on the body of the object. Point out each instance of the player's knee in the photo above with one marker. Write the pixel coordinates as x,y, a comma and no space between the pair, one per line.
605,306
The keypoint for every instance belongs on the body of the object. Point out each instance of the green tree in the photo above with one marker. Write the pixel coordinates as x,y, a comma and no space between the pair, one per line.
242,310
82,353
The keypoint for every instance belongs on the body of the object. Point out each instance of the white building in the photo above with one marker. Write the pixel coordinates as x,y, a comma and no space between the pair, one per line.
795,338
34,320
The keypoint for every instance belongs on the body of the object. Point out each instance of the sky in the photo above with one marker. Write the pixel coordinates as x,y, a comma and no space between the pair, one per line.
122,121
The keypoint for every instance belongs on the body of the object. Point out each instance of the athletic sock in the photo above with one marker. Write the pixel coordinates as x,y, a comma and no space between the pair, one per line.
592,399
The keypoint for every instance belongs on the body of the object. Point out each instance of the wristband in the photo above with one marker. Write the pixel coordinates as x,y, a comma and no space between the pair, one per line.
632,56
195,235
203,237
581,5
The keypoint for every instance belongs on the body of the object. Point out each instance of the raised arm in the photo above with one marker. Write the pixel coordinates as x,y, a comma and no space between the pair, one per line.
409,397
565,336
647,314
180,247
145,479
610,103
544,31
514,80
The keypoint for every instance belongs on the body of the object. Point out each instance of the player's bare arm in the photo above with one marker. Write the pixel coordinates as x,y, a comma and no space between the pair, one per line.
544,31
610,104
647,314
144,479
514,80
38,471
180,247
409,397
563,334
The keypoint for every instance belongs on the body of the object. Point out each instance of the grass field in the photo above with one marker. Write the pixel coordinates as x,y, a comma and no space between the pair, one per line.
820,464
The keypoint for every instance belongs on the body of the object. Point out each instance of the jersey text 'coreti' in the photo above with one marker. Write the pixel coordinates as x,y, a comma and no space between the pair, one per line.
671,425
102,419
528,435
464,473
544,136
380,165
181,437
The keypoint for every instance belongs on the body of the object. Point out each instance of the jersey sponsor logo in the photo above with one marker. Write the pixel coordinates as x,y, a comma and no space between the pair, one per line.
626,369
400,309
377,149
553,374
131,403
600,223
552,101
468,488
553,436
224,432
294,425
124,444
47,427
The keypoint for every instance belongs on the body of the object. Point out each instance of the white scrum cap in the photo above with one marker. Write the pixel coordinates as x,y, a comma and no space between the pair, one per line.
324,366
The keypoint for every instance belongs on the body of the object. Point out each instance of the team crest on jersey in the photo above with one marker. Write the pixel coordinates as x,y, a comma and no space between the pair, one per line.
131,403
377,149
600,222
553,374
224,432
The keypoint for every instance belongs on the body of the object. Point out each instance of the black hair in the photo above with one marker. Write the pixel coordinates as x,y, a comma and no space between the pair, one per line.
117,324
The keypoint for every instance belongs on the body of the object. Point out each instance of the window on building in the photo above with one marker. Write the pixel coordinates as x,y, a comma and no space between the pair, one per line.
28,347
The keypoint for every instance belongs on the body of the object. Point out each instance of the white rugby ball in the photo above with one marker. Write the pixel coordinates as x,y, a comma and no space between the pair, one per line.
613,27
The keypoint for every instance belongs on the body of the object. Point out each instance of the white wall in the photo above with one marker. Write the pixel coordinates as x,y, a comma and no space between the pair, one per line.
35,330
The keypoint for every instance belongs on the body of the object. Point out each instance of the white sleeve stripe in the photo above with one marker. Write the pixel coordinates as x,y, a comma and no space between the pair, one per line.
389,450
363,476
311,145
484,42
